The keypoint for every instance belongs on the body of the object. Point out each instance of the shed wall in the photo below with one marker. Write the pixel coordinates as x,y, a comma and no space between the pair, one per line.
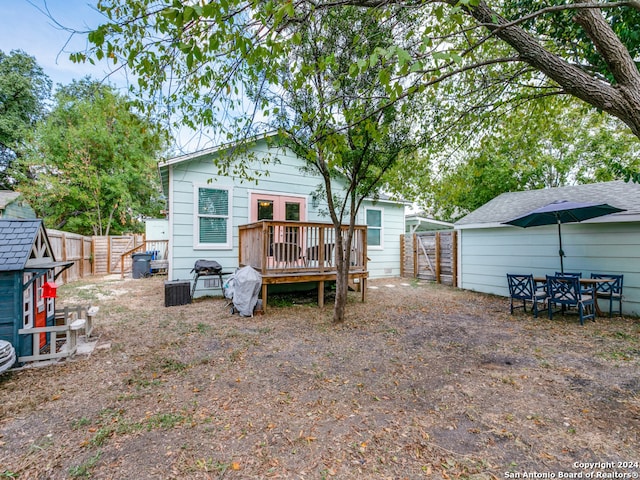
10,306
486,255
18,210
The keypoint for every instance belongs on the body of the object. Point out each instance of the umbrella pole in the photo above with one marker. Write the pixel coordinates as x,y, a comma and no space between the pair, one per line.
560,252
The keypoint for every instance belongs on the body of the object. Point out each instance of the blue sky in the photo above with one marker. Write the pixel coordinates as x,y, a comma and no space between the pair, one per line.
23,26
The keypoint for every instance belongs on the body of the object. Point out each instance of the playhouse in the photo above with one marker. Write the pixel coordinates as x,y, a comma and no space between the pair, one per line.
28,271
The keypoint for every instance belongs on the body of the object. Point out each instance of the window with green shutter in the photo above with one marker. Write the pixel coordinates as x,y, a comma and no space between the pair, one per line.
213,217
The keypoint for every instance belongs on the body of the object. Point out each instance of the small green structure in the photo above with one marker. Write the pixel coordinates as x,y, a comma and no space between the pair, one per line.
27,263
12,205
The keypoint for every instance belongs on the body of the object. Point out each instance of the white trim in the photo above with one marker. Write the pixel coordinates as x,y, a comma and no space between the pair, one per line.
420,220
212,150
381,228
39,285
482,225
228,245
28,312
171,207
275,192
51,302
614,218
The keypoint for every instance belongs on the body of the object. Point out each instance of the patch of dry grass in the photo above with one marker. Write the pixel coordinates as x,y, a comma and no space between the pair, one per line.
420,381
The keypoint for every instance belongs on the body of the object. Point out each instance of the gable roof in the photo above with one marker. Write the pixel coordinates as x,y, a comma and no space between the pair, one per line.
249,142
510,205
16,241
421,222
210,151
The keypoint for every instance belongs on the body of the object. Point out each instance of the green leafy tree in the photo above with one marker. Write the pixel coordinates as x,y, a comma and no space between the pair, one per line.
547,143
210,49
338,118
90,167
24,90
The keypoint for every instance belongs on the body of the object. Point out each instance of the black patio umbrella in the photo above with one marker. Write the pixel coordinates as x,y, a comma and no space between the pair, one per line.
563,211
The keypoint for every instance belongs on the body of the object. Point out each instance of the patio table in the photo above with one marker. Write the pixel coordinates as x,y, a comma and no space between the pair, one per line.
583,281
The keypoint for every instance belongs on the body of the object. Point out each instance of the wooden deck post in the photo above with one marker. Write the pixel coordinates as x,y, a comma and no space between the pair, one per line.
321,293
264,297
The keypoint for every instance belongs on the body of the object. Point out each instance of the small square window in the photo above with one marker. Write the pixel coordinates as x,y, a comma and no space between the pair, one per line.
374,227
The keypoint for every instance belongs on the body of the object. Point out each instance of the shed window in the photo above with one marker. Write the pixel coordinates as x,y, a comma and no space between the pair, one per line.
27,303
212,222
39,298
374,227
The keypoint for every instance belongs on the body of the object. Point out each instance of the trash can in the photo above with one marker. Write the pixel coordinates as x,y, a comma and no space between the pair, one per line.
177,292
141,265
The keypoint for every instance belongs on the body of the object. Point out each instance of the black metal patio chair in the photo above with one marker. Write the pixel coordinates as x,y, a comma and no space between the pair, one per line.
566,291
523,288
611,291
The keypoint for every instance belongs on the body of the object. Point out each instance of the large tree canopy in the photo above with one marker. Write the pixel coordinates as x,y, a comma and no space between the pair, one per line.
90,166
339,119
196,54
24,89
544,143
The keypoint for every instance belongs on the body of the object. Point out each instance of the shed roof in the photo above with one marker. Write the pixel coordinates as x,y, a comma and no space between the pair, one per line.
510,205
16,240
6,197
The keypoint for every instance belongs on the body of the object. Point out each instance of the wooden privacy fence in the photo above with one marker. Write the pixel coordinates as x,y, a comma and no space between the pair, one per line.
98,255
430,256
71,247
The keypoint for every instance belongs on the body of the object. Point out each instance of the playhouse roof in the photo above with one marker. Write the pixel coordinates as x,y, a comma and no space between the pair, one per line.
16,242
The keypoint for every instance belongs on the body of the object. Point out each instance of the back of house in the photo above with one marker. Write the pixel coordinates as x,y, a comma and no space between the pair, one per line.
206,208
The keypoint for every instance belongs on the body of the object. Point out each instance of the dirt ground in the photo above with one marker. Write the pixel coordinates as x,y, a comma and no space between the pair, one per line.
421,381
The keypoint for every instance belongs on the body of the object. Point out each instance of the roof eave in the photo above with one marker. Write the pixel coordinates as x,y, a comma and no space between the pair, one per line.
213,150
614,218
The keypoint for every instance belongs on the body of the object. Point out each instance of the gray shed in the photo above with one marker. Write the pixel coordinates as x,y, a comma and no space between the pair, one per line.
488,250
12,205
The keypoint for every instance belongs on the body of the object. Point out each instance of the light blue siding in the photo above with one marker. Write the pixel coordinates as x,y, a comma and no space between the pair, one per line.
280,176
488,254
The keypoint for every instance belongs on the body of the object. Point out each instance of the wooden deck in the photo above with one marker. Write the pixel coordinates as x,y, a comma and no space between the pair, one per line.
299,252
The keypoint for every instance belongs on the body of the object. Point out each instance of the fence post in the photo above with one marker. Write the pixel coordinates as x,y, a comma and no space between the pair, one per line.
63,241
414,247
438,259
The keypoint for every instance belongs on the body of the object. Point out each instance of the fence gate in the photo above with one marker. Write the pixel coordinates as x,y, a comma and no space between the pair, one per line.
118,246
430,256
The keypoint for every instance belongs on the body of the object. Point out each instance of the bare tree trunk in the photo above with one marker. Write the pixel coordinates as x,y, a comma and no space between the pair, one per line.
621,100
342,275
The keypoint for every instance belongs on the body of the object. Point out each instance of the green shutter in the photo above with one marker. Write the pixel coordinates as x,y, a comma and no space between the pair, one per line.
374,218
213,211
213,230
213,202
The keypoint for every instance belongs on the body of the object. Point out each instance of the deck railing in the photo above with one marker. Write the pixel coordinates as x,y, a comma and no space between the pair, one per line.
159,248
297,247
